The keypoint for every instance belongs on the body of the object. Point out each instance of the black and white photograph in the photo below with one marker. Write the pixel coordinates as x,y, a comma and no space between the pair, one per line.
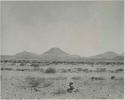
62,49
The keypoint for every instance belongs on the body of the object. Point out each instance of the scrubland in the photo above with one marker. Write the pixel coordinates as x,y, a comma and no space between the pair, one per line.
34,81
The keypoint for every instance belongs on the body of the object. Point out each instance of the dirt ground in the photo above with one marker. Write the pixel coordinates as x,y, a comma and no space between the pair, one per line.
20,85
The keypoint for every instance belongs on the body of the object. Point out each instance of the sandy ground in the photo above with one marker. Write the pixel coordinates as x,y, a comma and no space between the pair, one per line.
14,85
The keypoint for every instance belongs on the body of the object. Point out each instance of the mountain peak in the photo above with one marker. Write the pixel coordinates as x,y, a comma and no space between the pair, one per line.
55,52
55,49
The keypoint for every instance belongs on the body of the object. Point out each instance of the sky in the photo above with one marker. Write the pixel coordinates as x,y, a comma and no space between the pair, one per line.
84,28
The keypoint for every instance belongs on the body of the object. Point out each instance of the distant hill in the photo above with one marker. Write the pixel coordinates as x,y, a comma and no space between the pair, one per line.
119,57
26,55
106,55
56,54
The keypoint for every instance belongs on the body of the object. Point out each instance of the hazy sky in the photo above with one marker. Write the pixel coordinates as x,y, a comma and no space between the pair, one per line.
83,28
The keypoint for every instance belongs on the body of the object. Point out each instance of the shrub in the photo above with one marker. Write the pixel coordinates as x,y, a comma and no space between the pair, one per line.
100,69
69,70
2,68
58,78
118,70
20,69
50,70
8,68
97,78
76,78
79,69
35,65
112,77
22,64
85,70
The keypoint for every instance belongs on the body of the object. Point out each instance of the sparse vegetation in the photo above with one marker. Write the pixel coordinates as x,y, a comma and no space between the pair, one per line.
27,79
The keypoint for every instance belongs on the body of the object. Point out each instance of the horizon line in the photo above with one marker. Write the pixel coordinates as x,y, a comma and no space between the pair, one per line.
60,49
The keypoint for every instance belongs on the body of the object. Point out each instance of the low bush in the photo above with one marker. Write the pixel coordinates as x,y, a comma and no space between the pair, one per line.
8,69
97,78
76,78
79,69
22,64
119,70
58,78
50,70
2,68
69,70
20,69
112,77
100,69
85,70
34,65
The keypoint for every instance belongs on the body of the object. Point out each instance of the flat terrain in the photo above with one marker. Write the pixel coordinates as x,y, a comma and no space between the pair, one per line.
89,82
